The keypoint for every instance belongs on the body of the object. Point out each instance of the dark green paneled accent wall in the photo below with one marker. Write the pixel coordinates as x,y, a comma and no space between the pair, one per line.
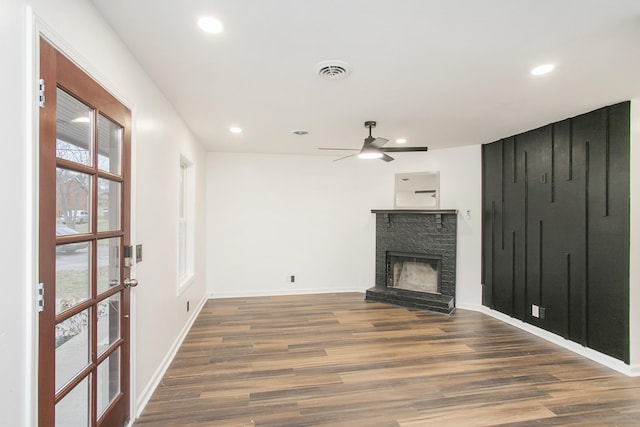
556,228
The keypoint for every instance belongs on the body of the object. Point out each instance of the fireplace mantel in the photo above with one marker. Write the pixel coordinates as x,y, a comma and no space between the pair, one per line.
414,211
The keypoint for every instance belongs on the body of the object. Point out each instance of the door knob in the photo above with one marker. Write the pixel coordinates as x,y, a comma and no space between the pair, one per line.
130,283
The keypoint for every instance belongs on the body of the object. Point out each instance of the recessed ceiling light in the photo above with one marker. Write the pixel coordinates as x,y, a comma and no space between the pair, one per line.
542,69
401,141
235,129
210,24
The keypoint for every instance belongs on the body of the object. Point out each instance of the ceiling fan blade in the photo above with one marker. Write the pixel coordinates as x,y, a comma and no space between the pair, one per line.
373,148
379,142
403,149
350,155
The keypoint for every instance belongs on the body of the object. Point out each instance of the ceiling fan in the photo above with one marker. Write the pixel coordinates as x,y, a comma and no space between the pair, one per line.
373,147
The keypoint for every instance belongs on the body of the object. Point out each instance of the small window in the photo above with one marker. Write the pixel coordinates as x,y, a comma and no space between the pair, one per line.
185,223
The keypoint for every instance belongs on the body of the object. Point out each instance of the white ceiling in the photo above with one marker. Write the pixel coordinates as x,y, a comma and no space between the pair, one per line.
439,73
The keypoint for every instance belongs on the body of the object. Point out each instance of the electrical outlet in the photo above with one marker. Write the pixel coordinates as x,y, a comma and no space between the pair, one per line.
542,312
535,310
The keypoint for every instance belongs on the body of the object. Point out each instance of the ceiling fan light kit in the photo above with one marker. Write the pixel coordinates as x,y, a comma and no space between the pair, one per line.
373,147
368,153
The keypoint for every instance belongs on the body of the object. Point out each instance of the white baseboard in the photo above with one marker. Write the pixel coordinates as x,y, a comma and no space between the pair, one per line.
280,292
603,359
145,395
634,370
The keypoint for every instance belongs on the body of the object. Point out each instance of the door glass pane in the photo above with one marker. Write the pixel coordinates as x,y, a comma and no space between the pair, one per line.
73,195
108,322
108,263
73,343
74,133
109,145
73,409
73,279
109,196
108,380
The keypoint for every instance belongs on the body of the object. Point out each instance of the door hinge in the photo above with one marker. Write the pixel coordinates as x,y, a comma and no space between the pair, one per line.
40,297
41,93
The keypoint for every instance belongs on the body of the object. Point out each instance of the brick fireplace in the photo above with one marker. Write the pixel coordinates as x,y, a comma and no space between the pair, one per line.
416,259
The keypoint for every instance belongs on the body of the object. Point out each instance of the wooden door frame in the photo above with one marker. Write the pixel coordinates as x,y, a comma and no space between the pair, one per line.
48,225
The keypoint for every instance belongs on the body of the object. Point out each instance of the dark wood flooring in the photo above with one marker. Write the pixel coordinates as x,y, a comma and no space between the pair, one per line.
336,360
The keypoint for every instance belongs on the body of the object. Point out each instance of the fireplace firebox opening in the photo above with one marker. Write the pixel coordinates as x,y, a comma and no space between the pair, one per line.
414,272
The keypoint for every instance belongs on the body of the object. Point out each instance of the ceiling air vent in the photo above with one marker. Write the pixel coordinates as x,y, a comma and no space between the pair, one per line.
333,70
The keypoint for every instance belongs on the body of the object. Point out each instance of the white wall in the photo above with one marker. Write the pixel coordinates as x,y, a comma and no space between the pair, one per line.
272,216
15,260
159,137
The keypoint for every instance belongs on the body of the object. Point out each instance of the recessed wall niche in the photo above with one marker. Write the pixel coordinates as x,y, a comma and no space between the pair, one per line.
555,230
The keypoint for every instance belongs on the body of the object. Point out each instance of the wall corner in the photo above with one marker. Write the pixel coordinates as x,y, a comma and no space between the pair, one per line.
634,237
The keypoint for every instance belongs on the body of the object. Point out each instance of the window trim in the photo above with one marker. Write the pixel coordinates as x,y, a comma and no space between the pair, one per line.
185,208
